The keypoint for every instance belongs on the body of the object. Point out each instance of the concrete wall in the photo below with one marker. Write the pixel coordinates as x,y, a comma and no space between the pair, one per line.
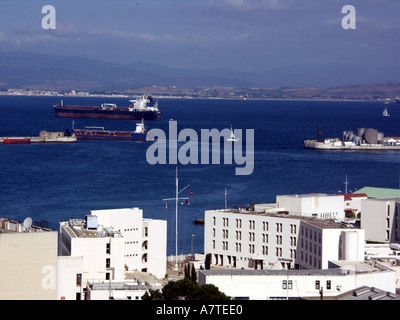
28,265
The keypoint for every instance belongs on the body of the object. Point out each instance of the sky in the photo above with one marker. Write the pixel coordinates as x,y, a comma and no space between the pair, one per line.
242,35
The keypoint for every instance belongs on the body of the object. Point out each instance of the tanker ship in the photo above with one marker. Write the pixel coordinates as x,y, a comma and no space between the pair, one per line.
98,133
142,108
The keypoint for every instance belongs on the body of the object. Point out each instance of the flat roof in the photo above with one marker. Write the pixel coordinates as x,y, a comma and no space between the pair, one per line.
357,267
77,228
309,195
375,192
11,226
318,222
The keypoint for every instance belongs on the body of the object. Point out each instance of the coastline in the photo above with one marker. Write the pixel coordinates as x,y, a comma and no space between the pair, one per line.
188,97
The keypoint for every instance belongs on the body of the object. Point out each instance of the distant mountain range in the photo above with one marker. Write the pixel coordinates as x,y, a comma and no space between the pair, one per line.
25,70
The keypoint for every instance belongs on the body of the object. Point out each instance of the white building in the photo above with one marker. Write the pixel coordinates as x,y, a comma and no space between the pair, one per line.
295,284
260,240
145,240
106,245
380,219
28,262
352,205
318,205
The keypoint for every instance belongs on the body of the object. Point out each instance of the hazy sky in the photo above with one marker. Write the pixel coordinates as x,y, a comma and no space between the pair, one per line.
253,35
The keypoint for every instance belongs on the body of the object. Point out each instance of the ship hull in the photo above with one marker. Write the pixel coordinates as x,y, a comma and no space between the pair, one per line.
98,113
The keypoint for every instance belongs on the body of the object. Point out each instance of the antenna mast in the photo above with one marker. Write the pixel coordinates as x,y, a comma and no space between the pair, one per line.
176,214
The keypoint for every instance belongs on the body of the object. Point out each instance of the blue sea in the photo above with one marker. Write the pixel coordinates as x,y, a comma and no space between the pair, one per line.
57,182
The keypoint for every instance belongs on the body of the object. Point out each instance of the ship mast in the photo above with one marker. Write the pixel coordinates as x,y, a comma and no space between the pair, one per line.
346,182
177,192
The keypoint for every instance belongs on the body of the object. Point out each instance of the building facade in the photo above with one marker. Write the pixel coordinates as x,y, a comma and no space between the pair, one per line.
380,219
104,246
317,205
28,263
299,284
260,240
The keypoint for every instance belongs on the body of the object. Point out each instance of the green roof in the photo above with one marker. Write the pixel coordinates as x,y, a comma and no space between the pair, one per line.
373,192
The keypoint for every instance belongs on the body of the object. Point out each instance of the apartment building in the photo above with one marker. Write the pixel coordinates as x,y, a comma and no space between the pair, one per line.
278,240
110,243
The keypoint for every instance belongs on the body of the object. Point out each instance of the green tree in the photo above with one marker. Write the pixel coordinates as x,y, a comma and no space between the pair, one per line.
193,275
186,289
207,262
152,295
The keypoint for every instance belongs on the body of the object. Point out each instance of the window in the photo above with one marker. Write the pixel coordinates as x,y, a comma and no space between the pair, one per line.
317,285
108,248
78,279
287,284
328,284
252,236
108,262
252,224
251,248
225,222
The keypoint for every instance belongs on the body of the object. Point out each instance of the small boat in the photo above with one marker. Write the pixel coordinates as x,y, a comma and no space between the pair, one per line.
98,133
232,137
385,113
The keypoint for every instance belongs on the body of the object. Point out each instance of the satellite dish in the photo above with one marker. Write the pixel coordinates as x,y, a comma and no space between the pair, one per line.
27,223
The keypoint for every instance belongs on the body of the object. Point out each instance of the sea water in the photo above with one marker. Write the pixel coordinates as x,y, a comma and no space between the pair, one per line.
57,182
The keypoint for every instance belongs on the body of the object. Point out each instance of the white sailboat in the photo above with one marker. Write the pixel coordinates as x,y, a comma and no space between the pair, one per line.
385,113
232,137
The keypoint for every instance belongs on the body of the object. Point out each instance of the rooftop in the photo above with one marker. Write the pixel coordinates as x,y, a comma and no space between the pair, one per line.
310,195
77,228
375,192
368,293
318,222
356,266
11,226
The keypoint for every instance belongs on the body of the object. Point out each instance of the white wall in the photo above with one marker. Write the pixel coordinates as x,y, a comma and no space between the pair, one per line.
323,206
129,222
374,218
156,247
28,265
94,252
264,287
67,269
